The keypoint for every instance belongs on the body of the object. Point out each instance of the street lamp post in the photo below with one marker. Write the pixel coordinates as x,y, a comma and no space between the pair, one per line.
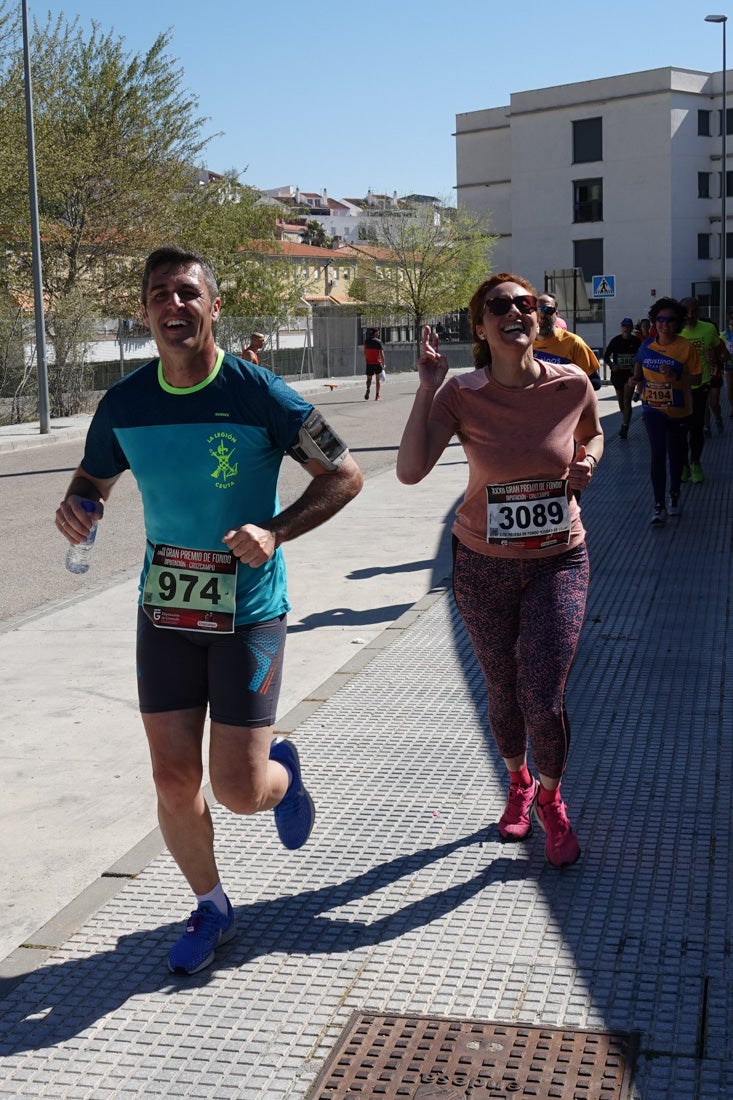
722,19
43,404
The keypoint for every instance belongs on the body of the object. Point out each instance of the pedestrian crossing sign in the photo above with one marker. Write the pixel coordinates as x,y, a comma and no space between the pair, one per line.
604,286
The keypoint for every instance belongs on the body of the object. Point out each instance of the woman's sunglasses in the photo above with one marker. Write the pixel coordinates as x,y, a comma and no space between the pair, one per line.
500,306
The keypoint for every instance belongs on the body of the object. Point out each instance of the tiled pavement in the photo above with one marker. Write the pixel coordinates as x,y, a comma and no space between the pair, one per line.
405,900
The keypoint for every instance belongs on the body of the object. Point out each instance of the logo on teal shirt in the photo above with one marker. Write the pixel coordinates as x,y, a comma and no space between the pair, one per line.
226,470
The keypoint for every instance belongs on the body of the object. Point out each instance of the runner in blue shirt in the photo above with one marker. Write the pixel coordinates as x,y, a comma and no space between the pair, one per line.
204,434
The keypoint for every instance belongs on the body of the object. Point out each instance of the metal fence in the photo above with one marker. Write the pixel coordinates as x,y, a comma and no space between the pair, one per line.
326,343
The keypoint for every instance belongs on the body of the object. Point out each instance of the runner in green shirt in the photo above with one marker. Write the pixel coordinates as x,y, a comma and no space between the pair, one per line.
704,336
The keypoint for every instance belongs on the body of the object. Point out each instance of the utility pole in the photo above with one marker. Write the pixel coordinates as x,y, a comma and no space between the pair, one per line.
43,405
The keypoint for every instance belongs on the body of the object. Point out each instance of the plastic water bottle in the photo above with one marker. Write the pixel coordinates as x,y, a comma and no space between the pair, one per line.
78,556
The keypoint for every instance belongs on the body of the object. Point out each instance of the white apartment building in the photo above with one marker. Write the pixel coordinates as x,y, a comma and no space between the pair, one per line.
616,176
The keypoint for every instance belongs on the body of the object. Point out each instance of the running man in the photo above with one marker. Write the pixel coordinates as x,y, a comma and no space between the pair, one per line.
204,434
620,354
703,335
557,345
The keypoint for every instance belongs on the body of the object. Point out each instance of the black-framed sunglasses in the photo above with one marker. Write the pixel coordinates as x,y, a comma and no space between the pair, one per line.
547,310
500,306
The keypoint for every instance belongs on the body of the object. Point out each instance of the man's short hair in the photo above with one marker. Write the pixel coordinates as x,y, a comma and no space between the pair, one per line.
257,336
171,257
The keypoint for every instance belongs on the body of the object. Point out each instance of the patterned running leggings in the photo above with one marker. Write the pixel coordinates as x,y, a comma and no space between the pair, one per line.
524,620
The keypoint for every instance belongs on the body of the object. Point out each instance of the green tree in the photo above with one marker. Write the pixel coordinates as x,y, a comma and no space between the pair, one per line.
117,140
315,234
70,327
227,222
17,377
426,261
117,135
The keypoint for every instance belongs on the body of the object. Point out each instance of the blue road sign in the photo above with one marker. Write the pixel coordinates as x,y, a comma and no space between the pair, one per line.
604,286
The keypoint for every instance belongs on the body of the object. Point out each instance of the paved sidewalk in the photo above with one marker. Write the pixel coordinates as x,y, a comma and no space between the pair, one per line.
405,901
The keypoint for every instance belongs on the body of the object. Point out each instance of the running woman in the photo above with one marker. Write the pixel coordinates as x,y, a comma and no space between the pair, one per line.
665,369
533,439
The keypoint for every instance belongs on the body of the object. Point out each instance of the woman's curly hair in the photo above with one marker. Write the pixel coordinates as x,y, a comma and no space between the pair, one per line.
674,307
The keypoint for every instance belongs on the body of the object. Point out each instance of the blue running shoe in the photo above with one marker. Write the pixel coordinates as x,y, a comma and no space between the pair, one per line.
295,813
206,930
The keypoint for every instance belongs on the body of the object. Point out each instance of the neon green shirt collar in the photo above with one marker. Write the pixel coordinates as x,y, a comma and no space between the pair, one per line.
199,385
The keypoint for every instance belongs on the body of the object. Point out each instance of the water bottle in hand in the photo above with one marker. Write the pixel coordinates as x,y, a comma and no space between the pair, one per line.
79,554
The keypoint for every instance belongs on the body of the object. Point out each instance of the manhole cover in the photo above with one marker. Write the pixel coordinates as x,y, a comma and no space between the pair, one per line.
435,1058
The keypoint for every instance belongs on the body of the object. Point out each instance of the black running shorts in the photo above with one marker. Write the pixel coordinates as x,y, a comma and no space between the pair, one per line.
238,675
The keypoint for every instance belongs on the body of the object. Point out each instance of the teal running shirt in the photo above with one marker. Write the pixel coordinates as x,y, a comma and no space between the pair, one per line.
206,460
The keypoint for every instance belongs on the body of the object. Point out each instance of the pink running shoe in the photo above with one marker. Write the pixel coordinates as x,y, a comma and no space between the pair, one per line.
516,823
561,848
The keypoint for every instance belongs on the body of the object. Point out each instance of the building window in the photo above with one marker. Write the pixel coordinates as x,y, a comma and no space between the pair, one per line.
703,123
729,184
703,185
587,140
728,246
703,246
588,200
588,255
729,117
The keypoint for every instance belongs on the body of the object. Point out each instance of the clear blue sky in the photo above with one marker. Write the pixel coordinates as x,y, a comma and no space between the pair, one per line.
352,96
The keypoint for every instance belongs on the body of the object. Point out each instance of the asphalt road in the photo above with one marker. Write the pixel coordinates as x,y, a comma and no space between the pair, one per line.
33,576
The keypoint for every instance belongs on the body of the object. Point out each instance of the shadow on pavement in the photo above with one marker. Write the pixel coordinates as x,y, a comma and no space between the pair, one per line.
77,992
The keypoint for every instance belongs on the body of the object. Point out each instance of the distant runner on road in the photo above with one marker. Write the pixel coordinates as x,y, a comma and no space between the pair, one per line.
374,359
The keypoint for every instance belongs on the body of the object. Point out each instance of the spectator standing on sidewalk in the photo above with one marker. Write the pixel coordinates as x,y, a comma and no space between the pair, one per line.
558,345
204,434
703,335
664,370
533,439
374,358
620,355
252,352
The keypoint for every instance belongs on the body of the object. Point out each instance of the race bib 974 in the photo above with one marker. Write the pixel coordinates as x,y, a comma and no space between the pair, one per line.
189,589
